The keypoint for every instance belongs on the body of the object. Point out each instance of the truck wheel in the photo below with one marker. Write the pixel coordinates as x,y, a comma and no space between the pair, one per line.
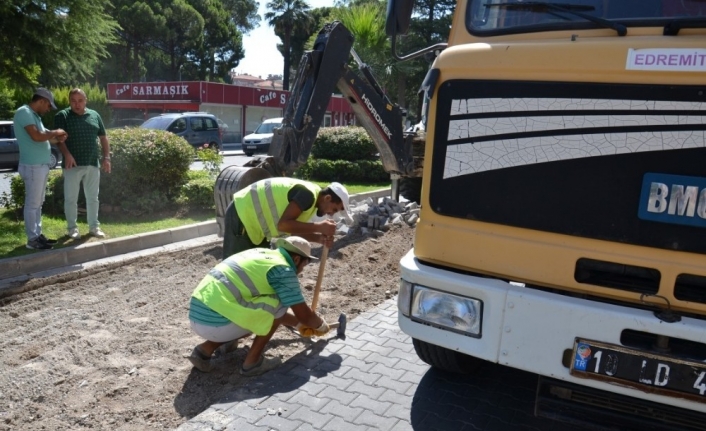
445,359
214,146
411,188
249,154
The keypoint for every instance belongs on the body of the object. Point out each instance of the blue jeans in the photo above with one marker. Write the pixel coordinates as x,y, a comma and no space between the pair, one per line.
91,178
35,179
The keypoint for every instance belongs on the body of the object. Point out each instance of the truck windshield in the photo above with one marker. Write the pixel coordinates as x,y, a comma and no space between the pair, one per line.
494,17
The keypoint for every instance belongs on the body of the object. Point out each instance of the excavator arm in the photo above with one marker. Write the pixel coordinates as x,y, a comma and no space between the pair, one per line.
320,72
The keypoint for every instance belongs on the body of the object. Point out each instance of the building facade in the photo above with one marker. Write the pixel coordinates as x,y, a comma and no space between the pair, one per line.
240,108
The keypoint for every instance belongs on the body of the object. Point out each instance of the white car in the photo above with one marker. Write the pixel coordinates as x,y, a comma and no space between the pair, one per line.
259,141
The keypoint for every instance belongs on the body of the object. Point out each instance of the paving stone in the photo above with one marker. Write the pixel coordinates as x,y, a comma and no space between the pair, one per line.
333,382
279,423
399,387
313,388
361,364
247,412
338,424
313,402
399,411
373,347
371,404
376,420
315,419
383,363
399,345
342,396
366,389
351,352
355,375
348,414
241,424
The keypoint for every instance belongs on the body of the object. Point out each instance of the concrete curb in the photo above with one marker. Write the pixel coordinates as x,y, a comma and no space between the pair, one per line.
17,268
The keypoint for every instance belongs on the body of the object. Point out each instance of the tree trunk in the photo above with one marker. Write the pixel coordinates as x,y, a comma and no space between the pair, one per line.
287,55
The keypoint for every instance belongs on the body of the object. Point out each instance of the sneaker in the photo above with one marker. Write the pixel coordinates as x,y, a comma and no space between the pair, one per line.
37,244
97,232
46,240
73,233
200,361
263,365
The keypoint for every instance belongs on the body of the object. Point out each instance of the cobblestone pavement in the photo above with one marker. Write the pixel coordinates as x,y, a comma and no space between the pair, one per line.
373,380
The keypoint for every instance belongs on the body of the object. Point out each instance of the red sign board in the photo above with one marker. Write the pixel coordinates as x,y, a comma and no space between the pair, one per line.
206,92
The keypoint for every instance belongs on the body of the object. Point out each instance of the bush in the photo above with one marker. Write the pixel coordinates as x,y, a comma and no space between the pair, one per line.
149,168
364,171
198,192
344,154
344,143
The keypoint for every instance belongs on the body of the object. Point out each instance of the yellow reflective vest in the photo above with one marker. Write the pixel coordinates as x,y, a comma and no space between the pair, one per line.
238,290
261,205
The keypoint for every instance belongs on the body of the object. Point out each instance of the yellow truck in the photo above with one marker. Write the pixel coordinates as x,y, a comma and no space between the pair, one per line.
563,206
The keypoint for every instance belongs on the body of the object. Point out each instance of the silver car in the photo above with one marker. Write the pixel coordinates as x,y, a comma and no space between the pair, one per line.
10,151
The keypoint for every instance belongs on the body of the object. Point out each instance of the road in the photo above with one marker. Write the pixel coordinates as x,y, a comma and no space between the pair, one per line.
232,155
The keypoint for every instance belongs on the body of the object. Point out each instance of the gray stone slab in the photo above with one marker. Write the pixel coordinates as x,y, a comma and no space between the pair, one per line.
155,239
85,252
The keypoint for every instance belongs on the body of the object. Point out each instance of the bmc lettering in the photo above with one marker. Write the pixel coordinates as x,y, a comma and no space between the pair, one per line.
160,90
679,200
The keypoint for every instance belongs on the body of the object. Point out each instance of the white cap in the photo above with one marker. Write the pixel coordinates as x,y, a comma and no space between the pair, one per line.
296,244
342,193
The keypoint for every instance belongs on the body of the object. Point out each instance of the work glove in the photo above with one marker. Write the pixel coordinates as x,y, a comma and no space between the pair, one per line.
305,331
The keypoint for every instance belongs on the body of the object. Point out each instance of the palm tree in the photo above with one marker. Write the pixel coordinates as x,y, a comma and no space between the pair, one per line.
285,15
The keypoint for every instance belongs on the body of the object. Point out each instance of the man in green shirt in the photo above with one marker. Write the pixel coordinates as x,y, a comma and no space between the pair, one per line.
250,293
82,160
34,140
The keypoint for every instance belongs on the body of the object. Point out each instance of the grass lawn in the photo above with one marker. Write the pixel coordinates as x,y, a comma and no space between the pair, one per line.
115,225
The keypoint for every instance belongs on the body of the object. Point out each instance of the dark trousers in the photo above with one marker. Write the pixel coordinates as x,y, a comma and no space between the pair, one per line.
235,238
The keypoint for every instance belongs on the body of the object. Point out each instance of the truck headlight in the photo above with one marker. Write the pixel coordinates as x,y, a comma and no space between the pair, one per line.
267,140
446,310
404,298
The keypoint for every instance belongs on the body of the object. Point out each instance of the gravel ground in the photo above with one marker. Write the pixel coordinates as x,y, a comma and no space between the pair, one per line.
106,350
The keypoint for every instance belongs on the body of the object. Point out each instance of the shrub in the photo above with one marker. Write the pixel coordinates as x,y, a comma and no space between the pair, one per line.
198,192
344,143
344,154
149,167
364,171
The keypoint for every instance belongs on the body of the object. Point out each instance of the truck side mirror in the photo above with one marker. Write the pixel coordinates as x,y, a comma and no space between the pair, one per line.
399,15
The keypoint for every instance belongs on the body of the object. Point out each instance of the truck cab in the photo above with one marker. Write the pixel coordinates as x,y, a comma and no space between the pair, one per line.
564,204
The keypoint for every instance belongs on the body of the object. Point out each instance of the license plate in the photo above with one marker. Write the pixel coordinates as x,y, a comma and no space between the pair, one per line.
251,147
645,371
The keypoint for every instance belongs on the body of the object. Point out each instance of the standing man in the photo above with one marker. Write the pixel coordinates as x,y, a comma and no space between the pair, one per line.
35,153
270,207
250,293
82,161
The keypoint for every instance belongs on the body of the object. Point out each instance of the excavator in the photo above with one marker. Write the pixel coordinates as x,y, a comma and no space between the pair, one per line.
321,71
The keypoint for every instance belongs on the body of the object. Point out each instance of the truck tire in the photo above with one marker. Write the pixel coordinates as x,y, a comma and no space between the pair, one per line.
411,188
445,359
249,153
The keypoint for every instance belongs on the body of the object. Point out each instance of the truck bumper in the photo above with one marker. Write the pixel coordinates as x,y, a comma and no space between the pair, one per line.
532,330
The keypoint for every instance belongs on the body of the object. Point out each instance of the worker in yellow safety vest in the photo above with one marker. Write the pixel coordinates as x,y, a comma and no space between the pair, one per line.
268,208
250,293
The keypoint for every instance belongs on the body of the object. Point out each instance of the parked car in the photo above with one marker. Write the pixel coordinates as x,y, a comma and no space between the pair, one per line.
198,128
10,151
259,141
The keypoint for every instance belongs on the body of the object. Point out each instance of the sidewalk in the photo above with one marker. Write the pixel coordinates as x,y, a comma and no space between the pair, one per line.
374,381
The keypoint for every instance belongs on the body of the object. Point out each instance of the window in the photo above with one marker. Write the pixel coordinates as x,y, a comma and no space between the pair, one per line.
197,124
210,123
178,126
5,132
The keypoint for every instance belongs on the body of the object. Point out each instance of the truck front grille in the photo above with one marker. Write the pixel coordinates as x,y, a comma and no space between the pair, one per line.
613,275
